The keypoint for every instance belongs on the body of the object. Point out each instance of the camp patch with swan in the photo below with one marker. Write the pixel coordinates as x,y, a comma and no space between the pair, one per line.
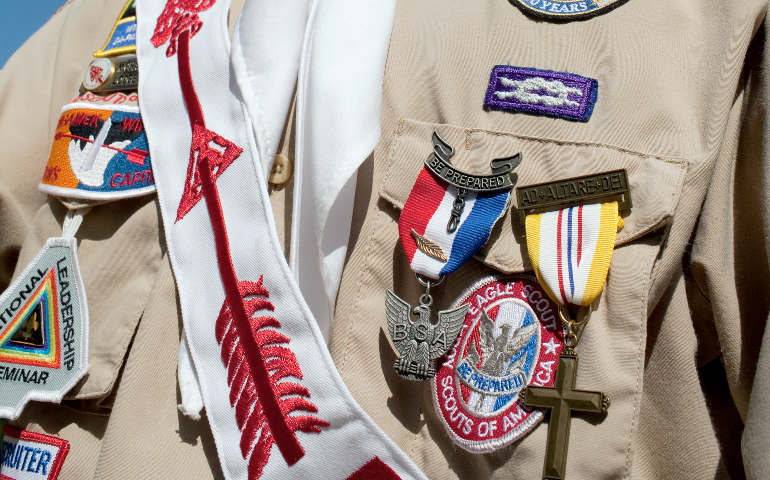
511,338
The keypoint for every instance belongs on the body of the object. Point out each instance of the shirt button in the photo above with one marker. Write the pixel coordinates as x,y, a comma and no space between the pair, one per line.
282,170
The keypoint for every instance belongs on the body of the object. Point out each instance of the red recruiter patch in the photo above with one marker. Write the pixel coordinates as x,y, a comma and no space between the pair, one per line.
511,338
29,455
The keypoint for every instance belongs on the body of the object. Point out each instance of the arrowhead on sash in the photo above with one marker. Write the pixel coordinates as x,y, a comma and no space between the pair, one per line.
220,153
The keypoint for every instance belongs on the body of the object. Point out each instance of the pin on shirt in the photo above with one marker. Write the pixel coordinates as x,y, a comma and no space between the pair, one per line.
114,67
570,230
446,219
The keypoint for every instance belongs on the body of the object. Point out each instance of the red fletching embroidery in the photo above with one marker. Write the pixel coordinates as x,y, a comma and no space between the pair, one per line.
178,16
280,363
254,352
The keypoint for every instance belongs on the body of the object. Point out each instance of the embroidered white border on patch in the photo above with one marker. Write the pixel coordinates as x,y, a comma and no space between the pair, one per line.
28,455
497,426
59,254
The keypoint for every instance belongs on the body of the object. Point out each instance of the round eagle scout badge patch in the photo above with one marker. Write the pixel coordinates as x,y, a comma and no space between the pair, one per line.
567,10
511,338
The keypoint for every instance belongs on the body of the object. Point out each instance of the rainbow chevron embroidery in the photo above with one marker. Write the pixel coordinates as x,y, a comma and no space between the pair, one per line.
32,337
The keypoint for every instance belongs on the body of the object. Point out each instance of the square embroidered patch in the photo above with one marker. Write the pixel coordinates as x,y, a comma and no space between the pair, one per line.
541,92
29,455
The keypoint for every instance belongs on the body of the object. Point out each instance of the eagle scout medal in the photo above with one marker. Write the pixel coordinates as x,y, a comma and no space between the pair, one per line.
43,329
511,337
570,245
420,341
446,219
567,10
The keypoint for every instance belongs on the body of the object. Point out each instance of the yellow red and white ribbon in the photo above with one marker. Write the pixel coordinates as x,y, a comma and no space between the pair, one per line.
570,250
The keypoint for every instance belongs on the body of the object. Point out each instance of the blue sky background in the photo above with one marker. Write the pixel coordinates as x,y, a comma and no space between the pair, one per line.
20,19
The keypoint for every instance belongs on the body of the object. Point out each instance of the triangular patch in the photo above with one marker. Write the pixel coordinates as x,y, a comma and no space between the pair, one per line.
43,329
32,337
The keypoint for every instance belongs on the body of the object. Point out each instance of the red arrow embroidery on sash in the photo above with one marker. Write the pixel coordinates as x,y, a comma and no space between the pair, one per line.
374,469
217,151
253,349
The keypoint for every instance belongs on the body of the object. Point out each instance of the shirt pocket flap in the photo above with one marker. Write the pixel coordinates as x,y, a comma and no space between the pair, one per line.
655,182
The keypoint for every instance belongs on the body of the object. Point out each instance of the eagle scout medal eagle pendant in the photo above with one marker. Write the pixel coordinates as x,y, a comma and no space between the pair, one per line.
511,337
420,341
43,329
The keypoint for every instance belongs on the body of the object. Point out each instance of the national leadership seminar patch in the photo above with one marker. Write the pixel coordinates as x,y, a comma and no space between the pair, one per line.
43,329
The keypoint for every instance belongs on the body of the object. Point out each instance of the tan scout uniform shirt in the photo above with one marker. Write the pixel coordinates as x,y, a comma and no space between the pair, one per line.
678,340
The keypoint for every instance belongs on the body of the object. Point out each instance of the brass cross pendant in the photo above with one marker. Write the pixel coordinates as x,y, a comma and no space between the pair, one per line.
562,399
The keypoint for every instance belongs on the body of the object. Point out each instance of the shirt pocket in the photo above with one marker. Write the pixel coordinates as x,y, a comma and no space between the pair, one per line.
611,350
654,182
120,255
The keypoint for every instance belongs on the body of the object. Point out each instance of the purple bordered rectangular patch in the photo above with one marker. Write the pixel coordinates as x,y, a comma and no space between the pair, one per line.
541,92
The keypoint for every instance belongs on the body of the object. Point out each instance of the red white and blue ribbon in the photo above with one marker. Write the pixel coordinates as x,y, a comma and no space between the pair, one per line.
428,209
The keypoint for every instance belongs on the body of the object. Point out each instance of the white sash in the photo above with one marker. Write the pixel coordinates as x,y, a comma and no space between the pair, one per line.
335,438
337,48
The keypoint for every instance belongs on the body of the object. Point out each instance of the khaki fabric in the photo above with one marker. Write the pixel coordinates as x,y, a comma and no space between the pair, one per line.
678,339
